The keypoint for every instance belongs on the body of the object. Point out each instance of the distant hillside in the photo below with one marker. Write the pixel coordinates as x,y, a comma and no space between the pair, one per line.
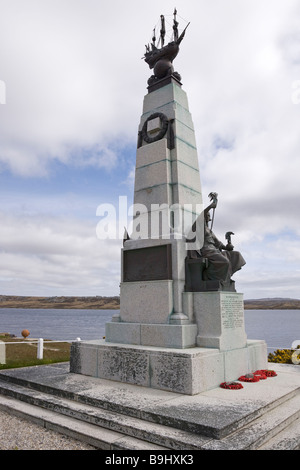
112,303
98,302
272,304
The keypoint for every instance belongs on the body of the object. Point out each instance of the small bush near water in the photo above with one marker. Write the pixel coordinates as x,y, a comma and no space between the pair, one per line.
285,356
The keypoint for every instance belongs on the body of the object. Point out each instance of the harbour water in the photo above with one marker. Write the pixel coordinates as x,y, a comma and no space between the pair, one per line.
279,328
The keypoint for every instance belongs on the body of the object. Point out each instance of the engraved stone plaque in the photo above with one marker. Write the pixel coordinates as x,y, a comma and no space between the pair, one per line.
232,309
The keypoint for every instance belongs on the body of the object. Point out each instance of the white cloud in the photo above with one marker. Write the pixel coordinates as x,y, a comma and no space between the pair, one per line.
75,83
42,254
65,68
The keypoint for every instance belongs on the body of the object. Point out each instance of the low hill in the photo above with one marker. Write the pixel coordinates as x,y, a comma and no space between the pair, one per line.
272,304
113,303
97,302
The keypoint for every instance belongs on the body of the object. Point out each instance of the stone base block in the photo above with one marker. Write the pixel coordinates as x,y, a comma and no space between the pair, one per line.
189,371
220,319
167,336
148,301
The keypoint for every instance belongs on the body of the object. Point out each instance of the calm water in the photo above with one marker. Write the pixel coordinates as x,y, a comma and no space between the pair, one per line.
279,328
65,324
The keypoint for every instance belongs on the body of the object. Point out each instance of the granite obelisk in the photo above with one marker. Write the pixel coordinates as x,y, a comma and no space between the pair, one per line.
167,200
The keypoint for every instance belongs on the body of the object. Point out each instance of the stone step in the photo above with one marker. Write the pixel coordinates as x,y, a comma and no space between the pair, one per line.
261,431
153,433
288,439
217,419
214,414
100,438
102,428
277,429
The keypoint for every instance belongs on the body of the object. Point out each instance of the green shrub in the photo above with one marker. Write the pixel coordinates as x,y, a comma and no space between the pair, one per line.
285,356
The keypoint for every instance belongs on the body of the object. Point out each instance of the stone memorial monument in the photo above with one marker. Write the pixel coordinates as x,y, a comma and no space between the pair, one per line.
181,322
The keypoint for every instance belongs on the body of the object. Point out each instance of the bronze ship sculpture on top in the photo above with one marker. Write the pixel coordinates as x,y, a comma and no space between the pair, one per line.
161,59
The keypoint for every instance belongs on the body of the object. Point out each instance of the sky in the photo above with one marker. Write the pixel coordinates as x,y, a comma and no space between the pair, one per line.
72,83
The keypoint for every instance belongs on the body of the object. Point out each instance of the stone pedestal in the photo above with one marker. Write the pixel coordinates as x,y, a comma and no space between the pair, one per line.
151,307
149,334
195,357
220,319
188,371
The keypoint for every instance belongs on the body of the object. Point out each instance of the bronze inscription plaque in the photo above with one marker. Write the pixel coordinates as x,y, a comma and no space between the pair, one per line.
147,264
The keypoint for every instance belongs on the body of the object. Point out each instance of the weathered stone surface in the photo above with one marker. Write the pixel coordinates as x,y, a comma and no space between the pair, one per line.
189,370
146,302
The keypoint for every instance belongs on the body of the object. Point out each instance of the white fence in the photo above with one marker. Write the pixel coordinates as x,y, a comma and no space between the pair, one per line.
40,346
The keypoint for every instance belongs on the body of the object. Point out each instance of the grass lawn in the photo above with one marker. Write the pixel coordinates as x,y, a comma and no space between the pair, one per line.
23,353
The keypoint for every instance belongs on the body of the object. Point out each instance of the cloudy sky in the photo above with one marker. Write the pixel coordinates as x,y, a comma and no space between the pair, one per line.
72,84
